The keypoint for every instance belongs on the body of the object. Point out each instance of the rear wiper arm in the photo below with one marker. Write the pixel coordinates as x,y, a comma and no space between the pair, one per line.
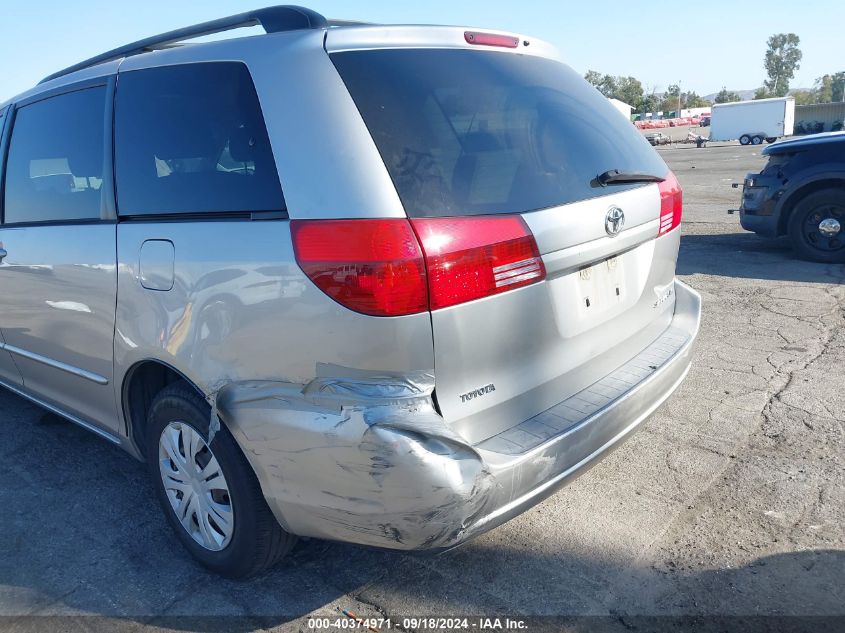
614,176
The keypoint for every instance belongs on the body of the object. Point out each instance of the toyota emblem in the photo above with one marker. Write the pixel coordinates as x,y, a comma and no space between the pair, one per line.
614,221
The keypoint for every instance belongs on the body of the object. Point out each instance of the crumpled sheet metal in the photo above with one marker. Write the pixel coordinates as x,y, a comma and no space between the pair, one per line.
360,457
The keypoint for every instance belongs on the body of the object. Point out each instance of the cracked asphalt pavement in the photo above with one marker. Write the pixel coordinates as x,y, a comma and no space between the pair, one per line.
729,502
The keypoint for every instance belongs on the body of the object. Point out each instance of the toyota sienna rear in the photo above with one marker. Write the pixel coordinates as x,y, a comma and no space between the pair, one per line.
389,285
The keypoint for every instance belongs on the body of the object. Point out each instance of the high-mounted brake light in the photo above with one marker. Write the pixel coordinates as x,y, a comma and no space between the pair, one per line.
671,204
369,266
491,39
470,257
378,267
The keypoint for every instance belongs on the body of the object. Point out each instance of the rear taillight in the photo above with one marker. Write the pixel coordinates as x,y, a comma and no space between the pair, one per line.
370,266
377,267
671,204
469,258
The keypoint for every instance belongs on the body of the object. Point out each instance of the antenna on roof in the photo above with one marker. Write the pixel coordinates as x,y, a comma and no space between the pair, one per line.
272,19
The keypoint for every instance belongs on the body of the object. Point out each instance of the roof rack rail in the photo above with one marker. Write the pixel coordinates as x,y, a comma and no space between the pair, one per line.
334,22
272,19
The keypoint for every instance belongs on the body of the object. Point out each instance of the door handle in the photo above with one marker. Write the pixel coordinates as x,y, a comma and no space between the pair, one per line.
3,254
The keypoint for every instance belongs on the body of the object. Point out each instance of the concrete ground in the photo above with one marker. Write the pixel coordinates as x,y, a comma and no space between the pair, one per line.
730,502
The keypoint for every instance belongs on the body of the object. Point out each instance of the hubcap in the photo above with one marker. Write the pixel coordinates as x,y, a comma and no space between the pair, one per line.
829,227
195,486
823,228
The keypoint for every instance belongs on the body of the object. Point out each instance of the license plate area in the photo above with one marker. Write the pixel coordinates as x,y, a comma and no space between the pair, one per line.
602,285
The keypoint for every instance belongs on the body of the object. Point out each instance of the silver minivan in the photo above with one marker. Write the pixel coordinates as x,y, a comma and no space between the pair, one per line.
389,285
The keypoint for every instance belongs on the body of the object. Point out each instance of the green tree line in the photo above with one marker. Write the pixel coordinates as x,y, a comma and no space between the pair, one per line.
630,90
782,58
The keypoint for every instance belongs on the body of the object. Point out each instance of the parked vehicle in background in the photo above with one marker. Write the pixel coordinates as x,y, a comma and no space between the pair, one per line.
658,138
704,121
752,122
396,310
801,193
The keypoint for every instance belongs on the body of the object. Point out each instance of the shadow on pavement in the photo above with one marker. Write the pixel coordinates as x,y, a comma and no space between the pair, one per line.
751,256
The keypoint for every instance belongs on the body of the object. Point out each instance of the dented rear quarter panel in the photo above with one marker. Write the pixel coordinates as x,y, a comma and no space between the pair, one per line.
363,458
241,309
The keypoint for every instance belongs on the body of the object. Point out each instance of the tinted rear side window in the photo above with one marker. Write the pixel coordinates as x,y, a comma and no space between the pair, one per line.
469,132
191,139
54,170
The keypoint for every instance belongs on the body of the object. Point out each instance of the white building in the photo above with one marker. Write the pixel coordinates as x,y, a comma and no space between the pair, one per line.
691,112
623,107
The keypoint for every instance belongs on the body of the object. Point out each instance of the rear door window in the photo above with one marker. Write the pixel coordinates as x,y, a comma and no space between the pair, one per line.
192,139
469,132
54,170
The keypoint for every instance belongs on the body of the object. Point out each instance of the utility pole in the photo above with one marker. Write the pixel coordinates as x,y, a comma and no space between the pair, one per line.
679,98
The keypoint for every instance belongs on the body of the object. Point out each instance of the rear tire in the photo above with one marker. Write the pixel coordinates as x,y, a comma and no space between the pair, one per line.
771,139
744,139
756,140
812,224
255,541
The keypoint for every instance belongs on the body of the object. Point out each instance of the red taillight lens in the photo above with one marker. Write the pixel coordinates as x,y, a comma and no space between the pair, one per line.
491,39
376,267
370,266
472,257
671,204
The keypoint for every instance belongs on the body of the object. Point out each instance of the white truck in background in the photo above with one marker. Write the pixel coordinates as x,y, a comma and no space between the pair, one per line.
753,121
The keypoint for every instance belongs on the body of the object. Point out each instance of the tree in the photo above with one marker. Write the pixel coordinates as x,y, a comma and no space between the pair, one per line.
783,58
673,94
761,93
593,77
805,97
838,87
692,100
650,103
627,89
829,87
605,84
726,96
669,102
824,89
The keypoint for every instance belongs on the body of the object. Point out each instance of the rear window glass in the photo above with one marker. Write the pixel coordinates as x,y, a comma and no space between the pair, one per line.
192,139
469,132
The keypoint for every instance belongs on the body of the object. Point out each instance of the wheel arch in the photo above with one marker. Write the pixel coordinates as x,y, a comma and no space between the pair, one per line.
789,202
141,383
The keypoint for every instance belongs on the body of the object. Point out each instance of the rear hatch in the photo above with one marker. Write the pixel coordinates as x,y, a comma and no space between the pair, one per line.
488,144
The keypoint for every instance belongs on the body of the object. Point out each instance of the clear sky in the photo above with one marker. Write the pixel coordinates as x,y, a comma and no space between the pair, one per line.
703,44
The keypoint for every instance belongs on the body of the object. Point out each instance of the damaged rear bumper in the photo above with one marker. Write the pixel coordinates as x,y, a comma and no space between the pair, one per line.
366,459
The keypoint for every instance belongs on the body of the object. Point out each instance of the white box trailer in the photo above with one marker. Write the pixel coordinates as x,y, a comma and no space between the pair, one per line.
752,121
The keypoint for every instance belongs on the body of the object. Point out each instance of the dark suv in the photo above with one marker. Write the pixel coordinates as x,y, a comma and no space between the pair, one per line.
801,193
